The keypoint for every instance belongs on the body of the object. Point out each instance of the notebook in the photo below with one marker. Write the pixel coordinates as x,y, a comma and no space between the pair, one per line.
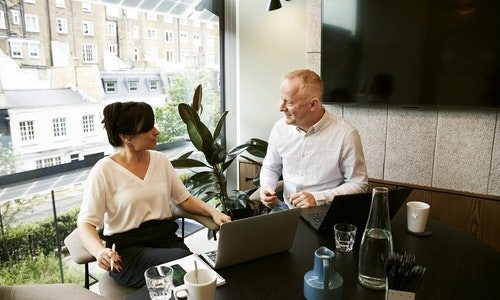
352,208
251,238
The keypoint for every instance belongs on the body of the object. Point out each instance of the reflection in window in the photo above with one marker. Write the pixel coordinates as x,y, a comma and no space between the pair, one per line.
27,130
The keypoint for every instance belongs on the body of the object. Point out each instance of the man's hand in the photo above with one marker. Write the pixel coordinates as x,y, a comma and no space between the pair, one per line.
302,199
268,198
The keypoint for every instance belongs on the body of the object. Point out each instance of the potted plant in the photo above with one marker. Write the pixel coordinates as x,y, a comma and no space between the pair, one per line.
208,181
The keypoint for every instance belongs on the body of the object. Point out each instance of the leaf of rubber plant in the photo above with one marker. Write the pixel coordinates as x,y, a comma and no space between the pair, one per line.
218,128
182,163
197,98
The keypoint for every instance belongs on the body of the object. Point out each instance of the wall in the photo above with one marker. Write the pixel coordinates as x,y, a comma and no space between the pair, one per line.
442,148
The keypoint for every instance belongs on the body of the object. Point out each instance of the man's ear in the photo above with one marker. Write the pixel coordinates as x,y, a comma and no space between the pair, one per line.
314,103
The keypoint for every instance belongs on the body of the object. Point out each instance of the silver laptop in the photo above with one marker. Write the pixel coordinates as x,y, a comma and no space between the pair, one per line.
254,237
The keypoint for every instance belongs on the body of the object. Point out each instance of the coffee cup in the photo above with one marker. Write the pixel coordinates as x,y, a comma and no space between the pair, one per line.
417,213
199,285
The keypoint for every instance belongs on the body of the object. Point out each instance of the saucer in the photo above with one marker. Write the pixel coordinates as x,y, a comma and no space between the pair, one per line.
423,234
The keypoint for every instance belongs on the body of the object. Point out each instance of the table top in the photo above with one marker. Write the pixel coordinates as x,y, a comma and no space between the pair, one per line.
459,266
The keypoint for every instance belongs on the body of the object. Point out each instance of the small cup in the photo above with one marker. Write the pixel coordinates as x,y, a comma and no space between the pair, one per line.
159,282
200,285
417,213
345,235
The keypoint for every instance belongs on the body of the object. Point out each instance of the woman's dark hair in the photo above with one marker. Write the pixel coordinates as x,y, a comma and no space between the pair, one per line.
125,117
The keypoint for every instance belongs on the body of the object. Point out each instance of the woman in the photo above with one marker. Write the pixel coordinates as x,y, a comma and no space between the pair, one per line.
127,196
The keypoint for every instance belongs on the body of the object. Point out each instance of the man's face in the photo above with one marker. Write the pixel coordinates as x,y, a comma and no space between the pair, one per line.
296,107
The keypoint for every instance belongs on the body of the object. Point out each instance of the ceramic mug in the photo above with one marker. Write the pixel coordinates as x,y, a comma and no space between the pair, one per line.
199,285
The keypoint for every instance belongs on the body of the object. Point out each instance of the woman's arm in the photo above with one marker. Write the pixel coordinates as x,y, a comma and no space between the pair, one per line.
93,243
197,206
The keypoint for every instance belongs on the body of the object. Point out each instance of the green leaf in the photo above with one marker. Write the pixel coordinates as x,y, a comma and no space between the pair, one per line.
182,163
197,98
218,128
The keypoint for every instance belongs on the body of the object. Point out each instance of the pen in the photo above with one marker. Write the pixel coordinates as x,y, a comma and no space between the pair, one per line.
112,255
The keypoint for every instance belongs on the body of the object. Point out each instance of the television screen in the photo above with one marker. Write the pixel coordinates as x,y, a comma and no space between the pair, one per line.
411,53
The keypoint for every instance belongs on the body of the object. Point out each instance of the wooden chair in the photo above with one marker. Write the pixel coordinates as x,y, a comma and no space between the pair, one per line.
107,285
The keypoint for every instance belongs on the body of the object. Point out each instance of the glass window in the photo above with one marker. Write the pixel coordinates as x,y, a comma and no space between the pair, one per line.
59,127
169,55
151,33
110,87
153,85
31,23
62,25
86,7
89,53
33,50
16,49
88,28
133,85
169,36
2,20
60,4
27,130
111,29
16,17
88,123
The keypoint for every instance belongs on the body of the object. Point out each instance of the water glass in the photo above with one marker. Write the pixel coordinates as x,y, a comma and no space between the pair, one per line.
345,235
159,282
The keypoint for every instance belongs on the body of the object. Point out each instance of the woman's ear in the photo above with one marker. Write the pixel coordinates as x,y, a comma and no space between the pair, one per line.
125,138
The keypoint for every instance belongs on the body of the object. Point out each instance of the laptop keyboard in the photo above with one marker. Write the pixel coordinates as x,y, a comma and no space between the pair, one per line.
212,255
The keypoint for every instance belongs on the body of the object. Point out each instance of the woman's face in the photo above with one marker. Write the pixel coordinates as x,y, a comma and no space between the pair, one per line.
145,140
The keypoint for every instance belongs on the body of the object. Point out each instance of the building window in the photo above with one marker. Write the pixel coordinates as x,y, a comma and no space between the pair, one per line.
183,21
32,23
33,50
153,85
111,29
74,157
88,123
196,39
133,85
113,49
27,130
151,33
183,36
168,19
89,53
151,16
60,4
196,23
2,20
86,7
16,49
62,25
59,126
88,28
48,162
169,55
169,36
16,17
30,1
110,87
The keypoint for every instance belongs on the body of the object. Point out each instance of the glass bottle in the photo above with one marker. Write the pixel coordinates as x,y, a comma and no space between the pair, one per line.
376,243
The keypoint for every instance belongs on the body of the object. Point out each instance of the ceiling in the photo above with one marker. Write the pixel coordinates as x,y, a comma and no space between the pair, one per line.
193,9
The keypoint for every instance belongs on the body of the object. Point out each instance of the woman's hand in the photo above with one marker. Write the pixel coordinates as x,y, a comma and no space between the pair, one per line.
109,260
220,218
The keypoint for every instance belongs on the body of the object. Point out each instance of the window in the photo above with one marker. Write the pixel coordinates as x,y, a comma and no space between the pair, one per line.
88,28
168,19
86,7
62,25
48,162
151,16
169,55
196,39
2,20
113,49
29,1
16,49
183,36
32,23
111,28
183,21
151,33
60,4
110,87
59,127
153,85
88,123
89,53
169,36
196,23
33,50
27,130
16,17
133,85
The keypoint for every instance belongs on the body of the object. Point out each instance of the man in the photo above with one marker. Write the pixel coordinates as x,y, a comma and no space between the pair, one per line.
318,154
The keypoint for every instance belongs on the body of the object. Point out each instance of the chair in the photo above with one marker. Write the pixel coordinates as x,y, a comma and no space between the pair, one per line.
107,285
47,292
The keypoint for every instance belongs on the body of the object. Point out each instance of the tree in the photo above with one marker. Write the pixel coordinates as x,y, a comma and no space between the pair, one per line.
8,160
180,90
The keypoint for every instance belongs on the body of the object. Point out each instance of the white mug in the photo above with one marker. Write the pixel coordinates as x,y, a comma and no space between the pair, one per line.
200,285
417,213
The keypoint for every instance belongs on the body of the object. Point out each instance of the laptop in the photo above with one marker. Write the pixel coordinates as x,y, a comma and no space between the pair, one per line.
251,238
352,208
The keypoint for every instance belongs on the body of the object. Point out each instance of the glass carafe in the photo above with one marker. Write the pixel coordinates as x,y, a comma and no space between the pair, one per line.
376,243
